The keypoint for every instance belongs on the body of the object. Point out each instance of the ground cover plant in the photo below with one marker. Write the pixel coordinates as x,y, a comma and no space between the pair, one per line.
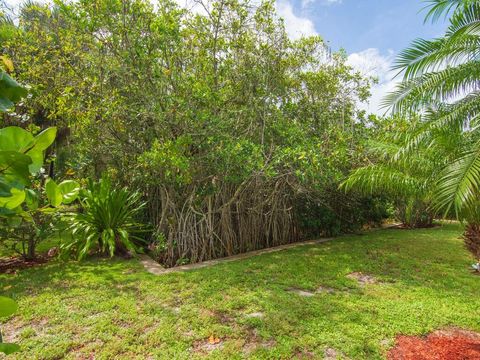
114,309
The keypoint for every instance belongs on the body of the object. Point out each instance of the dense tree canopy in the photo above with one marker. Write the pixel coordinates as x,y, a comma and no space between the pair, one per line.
225,125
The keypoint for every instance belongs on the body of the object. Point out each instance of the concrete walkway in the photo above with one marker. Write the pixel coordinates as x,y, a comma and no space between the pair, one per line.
155,268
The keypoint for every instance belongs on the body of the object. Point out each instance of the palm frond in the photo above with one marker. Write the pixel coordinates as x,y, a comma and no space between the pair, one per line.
443,86
437,8
434,55
466,21
384,179
459,183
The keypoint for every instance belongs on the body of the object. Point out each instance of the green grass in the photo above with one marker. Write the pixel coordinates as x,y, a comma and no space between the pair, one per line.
115,310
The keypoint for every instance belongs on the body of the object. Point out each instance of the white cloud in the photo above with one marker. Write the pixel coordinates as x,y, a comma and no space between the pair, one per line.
305,3
296,26
15,3
371,62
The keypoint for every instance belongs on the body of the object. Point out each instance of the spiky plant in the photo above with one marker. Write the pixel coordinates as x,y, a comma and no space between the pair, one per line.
106,223
442,82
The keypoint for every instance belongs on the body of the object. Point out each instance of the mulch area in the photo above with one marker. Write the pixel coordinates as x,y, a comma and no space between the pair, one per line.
450,344
10,265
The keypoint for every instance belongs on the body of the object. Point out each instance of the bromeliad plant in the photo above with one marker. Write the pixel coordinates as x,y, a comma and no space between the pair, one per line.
107,222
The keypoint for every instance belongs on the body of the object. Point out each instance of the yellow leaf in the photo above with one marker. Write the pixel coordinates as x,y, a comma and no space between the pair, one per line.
7,63
213,340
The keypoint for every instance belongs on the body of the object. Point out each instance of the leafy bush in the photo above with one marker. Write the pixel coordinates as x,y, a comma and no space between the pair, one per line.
226,131
338,213
26,214
106,222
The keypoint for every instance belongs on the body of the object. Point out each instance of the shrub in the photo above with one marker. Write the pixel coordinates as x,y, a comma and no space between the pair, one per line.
338,213
106,223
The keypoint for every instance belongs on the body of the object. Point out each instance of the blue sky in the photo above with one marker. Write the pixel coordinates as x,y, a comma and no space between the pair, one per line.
372,32
360,24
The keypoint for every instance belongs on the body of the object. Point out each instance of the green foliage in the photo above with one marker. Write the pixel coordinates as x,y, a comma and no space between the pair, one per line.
106,223
340,213
21,157
24,217
407,179
10,92
25,214
7,308
220,120
34,221
448,98
66,192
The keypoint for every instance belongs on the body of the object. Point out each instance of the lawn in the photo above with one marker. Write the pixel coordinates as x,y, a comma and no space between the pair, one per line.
113,309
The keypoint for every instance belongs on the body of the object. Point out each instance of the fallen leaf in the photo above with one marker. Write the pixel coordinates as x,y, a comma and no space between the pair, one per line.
213,340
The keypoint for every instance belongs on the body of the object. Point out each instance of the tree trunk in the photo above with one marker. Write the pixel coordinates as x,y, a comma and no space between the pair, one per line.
471,237
30,255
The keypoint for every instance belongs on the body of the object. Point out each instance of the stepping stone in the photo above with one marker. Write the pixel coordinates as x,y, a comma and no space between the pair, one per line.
301,292
151,265
257,315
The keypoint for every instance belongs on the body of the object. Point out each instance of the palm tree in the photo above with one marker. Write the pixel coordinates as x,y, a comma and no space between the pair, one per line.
442,83
408,179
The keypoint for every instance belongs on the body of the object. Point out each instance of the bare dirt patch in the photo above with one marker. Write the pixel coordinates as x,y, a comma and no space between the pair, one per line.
253,341
301,292
333,354
208,345
448,344
15,329
325,290
363,279
304,354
